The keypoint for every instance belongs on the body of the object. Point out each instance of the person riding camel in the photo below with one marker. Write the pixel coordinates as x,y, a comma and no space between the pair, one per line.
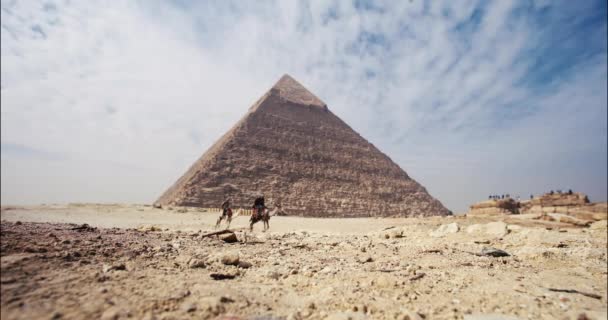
258,205
226,207
226,213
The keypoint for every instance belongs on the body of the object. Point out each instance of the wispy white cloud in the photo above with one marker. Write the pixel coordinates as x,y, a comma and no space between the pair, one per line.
470,98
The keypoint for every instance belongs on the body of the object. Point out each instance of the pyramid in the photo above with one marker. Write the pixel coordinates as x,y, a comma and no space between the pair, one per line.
292,149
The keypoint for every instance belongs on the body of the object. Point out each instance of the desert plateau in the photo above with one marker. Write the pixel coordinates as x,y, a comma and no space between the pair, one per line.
136,261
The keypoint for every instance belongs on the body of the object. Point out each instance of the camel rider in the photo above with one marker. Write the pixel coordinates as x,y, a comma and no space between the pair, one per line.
258,204
226,207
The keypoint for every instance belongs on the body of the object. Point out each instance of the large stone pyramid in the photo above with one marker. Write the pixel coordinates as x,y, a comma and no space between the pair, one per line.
291,148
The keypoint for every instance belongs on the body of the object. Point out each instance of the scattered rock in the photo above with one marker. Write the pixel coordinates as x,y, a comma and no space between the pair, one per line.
488,316
493,252
366,259
497,229
222,276
349,315
212,305
410,315
188,307
230,259
149,228
113,313
118,266
229,237
418,276
273,275
196,263
244,264
84,227
445,229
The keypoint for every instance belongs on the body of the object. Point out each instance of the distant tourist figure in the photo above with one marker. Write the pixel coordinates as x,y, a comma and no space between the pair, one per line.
259,213
258,205
531,197
503,196
551,192
569,191
226,213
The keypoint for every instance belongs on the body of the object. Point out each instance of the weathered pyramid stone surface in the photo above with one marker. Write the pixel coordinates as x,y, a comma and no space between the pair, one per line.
296,152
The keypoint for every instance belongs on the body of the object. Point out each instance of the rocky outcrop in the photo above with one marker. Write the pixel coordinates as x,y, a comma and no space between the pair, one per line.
295,151
495,207
572,208
560,200
572,204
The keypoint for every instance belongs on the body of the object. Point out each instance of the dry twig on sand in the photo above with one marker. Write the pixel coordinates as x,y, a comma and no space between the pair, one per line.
586,294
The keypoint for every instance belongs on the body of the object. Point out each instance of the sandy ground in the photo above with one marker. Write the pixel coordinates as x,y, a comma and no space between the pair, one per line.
145,263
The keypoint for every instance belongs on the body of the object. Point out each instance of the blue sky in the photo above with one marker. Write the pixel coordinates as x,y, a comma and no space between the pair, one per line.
111,101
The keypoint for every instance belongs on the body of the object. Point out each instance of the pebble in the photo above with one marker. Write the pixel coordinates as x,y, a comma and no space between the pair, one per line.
229,238
230,259
189,307
196,263
493,252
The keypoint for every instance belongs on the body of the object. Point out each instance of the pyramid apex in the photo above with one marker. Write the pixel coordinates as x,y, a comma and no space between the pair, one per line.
290,89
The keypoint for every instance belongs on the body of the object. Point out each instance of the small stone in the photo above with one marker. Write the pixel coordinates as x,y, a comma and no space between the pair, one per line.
230,259
273,275
108,268
497,229
229,238
395,234
196,263
445,229
366,259
410,315
112,313
244,264
189,307
212,305
349,315
492,316
493,252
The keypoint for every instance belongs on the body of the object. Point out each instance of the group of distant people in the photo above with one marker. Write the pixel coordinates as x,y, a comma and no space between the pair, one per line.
496,197
560,192
507,196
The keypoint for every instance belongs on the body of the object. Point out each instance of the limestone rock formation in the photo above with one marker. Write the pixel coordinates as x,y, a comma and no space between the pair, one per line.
497,206
295,151
573,208
574,204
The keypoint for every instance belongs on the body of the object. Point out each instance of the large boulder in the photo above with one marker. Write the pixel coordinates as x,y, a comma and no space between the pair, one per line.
445,229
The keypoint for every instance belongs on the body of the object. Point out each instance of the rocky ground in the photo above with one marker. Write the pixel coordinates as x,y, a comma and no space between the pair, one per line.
432,268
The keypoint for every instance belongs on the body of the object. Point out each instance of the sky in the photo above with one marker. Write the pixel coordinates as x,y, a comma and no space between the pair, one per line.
111,101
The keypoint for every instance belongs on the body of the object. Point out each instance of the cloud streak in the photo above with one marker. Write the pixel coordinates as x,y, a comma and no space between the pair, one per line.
470,98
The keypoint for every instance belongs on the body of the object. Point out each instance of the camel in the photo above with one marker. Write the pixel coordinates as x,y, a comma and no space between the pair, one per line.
265,217
228,217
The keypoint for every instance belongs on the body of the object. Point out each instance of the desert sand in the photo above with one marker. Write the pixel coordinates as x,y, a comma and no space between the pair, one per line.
140,262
